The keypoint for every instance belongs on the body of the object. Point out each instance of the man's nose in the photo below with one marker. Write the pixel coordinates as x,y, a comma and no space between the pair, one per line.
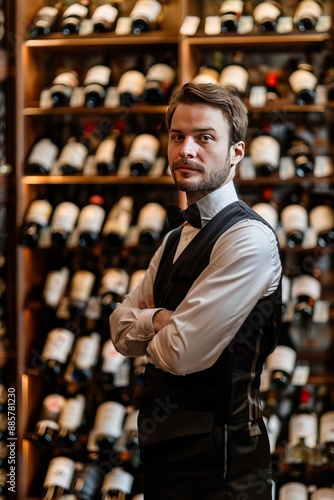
187,148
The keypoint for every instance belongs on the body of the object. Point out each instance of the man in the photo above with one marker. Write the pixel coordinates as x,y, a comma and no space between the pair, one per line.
206,315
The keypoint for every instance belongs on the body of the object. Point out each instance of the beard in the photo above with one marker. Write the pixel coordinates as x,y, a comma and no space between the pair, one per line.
210,181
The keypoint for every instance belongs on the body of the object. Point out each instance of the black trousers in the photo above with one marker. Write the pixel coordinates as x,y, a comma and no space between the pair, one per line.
227,464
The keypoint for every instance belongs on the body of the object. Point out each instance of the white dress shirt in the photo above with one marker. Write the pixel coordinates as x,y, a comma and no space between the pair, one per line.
244,267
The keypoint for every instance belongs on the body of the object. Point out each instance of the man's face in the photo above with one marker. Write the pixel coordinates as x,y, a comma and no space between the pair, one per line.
199,155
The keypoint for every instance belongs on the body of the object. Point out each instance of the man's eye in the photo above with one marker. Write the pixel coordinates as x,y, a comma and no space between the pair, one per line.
177,137
206,138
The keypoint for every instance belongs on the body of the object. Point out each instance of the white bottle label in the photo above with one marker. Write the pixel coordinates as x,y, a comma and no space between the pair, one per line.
144,147
53,403
112,360
81,285
58,345
161,73
55,286
303,426
105,151
302,79
307,9
98,74
68,78
115,280
44,153
292,491
86,351
132,81
39,212
282,358
294,217
47,12
232,6
91,219
131,421
266,11
119,226
267,212
105,12
326,427
65,216
150,9
60,473
206,76
234,76
323,494
73,154
286,289
322,218
109,419
306,285
136,278
76,10
119,480
72,413
151,217
265,150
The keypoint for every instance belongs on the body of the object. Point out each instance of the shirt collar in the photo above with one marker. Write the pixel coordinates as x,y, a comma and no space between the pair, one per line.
215,201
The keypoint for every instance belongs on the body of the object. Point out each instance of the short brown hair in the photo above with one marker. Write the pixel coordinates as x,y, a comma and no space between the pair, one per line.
233,109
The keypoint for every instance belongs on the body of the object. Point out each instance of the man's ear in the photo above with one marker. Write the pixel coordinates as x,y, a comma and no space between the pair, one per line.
237,152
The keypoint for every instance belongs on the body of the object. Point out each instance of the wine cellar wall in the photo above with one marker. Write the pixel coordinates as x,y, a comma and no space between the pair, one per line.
92,185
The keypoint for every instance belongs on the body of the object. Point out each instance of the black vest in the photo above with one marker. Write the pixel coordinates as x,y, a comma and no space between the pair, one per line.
228,391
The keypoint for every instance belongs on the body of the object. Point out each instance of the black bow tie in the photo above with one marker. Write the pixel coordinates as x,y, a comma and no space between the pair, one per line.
176,216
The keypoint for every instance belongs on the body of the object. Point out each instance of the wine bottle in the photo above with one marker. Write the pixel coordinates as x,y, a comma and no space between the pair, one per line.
300,151
62,87
105,16
303,82
90,222
268,212
143,153
305,291
70,419
322,221
56,350
81,287
282,361
150,223
45,19
42,157
118,221
47,427
95,85
58,478
307,14
114,285
111,362
293,489
117,484
109,153
73,17
72,157
206,75
36,220
326,436
266,15
54,288
145,16
63,222
234,76
265,151
108,424
85,356
131,87
294,220
86,481
303,430
159,80
272,92
136,277
130,429
230,13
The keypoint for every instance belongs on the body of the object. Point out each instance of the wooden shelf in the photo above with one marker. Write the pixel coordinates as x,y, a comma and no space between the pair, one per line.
107,179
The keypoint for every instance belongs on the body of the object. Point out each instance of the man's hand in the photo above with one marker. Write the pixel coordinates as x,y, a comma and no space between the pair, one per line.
161,318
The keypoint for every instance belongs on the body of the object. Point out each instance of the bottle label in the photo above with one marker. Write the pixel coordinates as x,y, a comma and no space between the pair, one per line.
294,217
119,225
265,150
65,216
39,212
105,151
91,219
58,345
234,76
322,218
60,473
68,79
131,421
44,153
327,427
76,10
81,285
106,12
132,81
229,6
151,217
266,11
268,212
206,75
72,413
282,358
74,154
307,9
55,286
306,285
293,490
145,148
161,73
136,278
118,480
115,280
109,419
149,9
112,360
303,426
86,351
98,74
52,406
47,12
302,79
